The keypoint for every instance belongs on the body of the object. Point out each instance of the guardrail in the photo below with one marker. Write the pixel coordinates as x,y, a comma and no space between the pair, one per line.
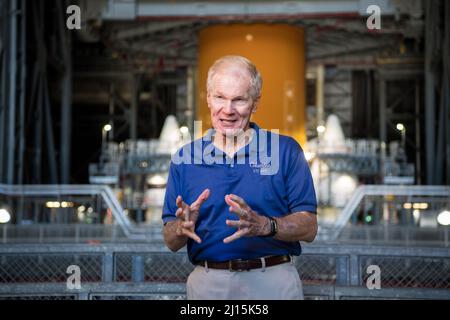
128,228
391,235
66,233
150,271
383,190
328,233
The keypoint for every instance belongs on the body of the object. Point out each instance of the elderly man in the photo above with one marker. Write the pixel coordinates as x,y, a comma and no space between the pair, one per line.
241,222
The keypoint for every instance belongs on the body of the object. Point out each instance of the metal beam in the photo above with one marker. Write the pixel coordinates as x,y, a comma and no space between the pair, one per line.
382,126
146,29
429,94
3,82
134,107
141,9
418,130
37,91
111,110
66,96
37,115
49,135
23,77
439,165
446,82
12,94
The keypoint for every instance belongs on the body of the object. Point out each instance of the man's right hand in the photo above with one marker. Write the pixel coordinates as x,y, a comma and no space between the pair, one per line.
187,216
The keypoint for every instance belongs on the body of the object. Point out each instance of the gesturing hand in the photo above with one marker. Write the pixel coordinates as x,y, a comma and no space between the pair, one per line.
250,223
188,215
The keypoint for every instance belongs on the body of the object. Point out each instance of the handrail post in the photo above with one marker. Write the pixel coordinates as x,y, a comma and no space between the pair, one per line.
77,233
342,271
5,232
137,268
108,267
355,272
447,230
83,295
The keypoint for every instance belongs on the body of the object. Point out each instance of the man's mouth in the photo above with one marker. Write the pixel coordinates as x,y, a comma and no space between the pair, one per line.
228,122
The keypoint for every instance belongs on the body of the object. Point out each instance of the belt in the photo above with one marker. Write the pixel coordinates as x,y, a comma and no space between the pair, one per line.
245,265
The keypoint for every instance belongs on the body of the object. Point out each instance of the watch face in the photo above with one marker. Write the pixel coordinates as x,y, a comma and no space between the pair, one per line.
275,223
273,226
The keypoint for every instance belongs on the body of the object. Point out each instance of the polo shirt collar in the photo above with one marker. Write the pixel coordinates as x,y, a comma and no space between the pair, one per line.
250,147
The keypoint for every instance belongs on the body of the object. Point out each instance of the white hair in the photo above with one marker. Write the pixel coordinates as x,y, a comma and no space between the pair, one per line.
255,77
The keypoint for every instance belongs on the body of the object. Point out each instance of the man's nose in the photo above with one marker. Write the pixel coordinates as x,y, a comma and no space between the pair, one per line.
228,107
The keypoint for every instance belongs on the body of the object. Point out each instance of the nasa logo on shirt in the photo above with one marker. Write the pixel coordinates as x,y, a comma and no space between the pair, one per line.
264,169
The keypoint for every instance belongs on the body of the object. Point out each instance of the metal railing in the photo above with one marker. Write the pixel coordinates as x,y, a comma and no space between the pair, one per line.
129,229
150,271
391,235
64,233
383,190
338,231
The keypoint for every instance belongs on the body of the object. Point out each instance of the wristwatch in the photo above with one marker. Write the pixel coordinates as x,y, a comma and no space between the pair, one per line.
273,227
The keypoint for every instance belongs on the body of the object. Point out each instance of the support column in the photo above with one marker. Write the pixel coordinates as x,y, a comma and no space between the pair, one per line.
23,76
3,87
382,127
12,94
429,95
134,107
66,96
418,130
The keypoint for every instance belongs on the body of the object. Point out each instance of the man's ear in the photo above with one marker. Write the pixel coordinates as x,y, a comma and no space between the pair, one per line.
255,105
208,97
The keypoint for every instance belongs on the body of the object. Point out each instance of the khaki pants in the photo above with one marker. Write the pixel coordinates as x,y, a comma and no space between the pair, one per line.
280,282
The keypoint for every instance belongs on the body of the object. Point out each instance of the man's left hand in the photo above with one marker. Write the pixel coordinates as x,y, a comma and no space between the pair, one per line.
250,223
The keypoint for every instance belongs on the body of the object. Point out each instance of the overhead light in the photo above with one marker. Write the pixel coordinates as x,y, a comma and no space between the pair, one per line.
321,129
4,216
57,204
309,155
444,218
66,204
107,127
184,130
53,204
156,180
421,205
400,127
143,164
418,205
249,37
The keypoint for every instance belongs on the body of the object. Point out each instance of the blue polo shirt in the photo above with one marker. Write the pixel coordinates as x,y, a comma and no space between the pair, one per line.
270,174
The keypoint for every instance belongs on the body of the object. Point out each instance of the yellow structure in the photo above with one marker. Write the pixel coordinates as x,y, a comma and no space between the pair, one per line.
278,51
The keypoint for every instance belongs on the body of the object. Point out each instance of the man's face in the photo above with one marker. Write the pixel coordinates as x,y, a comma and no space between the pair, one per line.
229,100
